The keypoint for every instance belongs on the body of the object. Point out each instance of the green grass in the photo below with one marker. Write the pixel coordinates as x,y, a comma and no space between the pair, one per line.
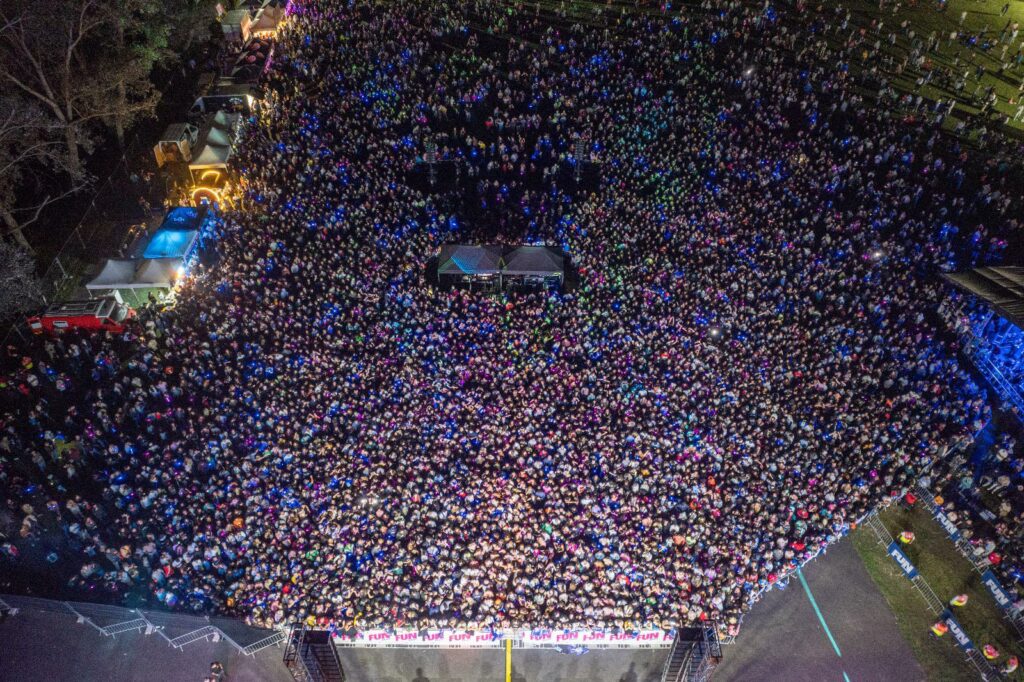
923,17
941,660
948,573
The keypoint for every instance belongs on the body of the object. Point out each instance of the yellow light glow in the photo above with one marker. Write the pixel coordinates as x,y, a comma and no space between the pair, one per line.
208,194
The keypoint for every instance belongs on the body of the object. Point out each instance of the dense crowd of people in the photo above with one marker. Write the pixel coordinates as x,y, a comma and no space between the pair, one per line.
981,492
748,363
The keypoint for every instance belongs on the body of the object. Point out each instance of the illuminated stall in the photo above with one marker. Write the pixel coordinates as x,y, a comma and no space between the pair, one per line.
209,167
135,280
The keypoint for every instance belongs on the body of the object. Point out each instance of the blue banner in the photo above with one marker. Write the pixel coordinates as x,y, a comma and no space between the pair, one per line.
896,553
947,525
957,631
996,588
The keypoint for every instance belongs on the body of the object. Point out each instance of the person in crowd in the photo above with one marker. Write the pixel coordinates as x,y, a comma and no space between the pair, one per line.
317,432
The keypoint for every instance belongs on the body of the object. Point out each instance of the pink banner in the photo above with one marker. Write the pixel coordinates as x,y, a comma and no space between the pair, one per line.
486,639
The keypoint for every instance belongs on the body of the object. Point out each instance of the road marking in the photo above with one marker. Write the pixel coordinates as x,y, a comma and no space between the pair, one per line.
821,618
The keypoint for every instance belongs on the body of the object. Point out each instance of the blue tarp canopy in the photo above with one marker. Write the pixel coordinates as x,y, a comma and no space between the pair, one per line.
171,244
178,234
185,218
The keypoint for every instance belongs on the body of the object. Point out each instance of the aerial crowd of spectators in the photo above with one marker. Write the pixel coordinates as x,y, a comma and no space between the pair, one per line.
749,362
981,491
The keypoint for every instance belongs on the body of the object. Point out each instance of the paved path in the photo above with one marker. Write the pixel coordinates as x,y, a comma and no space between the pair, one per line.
49,647
783,637
528,665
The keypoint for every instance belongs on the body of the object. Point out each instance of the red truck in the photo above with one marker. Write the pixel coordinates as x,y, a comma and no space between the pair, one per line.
104,314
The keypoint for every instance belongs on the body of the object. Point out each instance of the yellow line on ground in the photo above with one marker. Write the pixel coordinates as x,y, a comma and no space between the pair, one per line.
508,660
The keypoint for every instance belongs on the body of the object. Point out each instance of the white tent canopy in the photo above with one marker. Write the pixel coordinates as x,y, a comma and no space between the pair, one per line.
267,20
211,156
460,259
159,272
226,121
145,273
218,137
216,147
114,274
536,261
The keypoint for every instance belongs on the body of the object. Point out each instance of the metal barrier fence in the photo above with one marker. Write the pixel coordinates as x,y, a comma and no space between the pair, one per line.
950,450
179,630
1016,619
935,605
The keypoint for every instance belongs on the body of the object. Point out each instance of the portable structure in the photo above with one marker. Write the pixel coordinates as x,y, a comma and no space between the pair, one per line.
495,267
176,144
209,168
268,19
985,309
135,279
225,95
236,25
533,266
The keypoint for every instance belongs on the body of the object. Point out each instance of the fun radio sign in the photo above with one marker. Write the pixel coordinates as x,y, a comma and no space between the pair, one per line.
595,638
901,559
486,639
458,639
950,527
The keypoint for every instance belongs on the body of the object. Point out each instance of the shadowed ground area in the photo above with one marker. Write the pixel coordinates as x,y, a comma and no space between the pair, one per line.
782,639
38,647
528,665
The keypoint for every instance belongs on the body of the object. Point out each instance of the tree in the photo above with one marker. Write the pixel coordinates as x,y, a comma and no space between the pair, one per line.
32,155
191,24
139,32
57,53
20,289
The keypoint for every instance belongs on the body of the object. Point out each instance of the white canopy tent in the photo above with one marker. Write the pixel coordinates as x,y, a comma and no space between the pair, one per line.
211,156
216,147
159,273
226,121
218,138
267,20
131,276
117,273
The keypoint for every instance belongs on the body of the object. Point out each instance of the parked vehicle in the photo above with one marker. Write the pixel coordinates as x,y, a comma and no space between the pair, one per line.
106,314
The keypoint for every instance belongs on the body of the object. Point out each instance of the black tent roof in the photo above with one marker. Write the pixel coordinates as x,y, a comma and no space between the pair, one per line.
492,259
1001,287
533,260
469,259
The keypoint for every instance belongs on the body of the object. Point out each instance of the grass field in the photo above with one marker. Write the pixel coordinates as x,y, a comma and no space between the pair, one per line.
949,574
984,21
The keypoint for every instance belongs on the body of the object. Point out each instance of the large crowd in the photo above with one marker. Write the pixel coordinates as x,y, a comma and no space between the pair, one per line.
981,492
748,363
